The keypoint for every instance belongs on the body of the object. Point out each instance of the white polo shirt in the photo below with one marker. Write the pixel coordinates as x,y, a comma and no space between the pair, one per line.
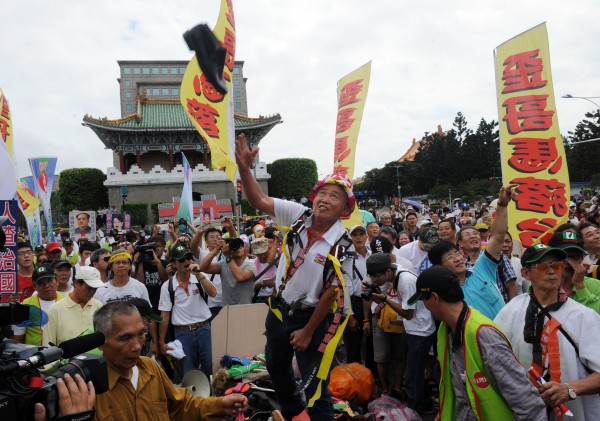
189,309
307,283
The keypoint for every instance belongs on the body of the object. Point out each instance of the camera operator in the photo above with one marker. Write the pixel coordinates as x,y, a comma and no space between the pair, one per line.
237,271
76,400
150,269
211,238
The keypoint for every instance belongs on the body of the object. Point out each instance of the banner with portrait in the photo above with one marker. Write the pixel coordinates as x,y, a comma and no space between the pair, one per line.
82,225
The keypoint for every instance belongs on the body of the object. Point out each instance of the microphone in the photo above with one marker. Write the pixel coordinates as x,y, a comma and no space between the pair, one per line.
67,349
81,344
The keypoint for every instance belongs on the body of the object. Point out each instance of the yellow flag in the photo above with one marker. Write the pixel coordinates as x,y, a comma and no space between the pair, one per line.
352,94
532,151
29,203
6,125
208,109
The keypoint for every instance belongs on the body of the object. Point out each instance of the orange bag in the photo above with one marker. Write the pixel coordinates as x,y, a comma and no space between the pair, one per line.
352,382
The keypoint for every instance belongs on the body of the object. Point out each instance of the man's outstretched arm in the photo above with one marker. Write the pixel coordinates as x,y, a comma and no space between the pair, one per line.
245,160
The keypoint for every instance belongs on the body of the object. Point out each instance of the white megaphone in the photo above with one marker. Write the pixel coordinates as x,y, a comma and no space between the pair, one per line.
197,383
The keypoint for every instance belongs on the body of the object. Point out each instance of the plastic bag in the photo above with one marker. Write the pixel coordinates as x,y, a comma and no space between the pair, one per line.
390,409
352,382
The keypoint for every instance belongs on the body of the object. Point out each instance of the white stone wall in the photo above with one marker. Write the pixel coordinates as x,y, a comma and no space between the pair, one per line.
157,175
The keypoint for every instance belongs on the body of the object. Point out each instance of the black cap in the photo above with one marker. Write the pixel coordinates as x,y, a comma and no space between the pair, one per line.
67,242
144,308
378,263
567,240
535,253
180,252
61,262
42,272
381,244
434,279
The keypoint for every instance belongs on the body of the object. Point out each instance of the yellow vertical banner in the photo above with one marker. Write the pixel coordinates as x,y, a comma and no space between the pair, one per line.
531,146
207,108
6,125
352,95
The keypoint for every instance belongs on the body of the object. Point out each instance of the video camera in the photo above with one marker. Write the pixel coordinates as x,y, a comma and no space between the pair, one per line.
22,385
234,243
145,251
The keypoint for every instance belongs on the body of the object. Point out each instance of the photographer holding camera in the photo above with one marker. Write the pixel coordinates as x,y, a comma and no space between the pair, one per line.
237,271
150,268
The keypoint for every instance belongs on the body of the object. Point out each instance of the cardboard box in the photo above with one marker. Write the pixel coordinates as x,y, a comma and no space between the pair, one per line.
240,331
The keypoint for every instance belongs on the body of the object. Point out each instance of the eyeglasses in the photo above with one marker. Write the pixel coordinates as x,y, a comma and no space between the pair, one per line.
451,256
544,266
24,253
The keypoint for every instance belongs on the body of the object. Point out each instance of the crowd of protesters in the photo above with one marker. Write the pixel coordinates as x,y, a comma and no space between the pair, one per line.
445,307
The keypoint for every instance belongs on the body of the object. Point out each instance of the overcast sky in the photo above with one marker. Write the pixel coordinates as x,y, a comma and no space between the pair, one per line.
430,59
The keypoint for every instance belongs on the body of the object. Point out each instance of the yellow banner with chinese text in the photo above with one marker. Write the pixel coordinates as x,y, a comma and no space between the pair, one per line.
531,147
352,95
209,110
6,125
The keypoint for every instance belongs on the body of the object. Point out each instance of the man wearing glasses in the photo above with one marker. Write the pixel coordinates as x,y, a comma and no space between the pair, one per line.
554,334
478,283
187,311
25,270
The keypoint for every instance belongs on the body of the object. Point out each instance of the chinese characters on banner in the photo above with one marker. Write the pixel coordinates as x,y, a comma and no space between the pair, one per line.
8,257
8,173
532,151
352,94
210,111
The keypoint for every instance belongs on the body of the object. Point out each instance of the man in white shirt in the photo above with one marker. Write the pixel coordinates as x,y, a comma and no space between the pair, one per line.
188,312
537,324
416,252
297,323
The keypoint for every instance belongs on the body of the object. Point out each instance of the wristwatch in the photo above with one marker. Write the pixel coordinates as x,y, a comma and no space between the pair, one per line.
572,393
227,259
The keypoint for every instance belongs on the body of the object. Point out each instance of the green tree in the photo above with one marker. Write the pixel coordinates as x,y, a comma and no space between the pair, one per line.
292,177
83,189
583,158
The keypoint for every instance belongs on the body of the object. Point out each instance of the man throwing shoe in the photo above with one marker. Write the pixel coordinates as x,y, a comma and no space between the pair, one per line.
298,321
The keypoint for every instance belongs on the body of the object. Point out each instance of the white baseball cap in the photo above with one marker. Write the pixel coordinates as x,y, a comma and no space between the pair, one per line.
90,275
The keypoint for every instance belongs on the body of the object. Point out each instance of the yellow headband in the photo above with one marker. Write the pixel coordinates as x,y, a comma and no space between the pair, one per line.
121,255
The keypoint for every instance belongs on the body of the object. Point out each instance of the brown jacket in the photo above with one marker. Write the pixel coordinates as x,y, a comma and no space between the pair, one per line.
156,398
